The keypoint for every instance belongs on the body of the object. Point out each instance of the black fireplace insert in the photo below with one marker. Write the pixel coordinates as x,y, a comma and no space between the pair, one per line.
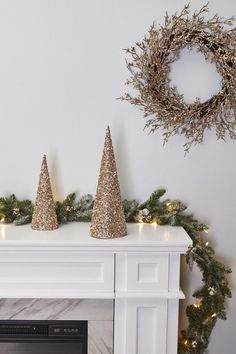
43,337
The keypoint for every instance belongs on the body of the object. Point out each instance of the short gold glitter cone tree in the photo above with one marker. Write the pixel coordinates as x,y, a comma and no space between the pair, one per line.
108,220
44,215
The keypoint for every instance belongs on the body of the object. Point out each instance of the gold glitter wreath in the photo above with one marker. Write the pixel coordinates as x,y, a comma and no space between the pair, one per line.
150,66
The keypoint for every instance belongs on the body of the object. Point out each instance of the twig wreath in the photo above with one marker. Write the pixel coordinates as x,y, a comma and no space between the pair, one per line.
212,295
161,103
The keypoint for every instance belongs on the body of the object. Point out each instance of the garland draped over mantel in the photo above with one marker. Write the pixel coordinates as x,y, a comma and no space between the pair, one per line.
210,297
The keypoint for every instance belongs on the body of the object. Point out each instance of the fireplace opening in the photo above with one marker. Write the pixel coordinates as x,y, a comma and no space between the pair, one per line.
43,337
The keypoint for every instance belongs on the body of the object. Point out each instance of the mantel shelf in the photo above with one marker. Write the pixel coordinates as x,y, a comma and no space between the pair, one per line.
76,235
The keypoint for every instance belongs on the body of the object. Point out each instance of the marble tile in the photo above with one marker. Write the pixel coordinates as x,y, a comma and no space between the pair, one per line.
56,309
100,337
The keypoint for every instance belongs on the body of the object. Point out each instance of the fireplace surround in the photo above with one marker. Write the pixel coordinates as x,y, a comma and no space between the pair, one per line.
46,275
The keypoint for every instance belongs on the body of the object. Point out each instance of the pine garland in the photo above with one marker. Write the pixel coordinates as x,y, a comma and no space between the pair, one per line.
210,298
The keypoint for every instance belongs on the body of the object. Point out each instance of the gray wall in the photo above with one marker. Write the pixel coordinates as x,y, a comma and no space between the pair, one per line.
61,70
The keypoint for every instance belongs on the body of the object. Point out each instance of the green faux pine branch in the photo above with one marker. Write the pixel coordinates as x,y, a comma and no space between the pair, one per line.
210,297
72,210
14,210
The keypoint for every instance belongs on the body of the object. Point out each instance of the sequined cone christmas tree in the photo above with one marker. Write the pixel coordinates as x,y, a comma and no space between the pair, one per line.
44,215
108,220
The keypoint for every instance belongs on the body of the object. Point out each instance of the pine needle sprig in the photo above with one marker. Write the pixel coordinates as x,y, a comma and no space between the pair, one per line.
14,210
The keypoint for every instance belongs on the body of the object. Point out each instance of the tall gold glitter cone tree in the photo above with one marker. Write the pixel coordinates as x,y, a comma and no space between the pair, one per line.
44,215
108,220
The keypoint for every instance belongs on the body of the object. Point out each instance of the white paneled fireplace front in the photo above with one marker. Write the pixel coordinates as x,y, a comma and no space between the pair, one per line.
130,284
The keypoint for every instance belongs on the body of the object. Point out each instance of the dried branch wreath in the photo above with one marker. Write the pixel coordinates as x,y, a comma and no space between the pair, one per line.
150,66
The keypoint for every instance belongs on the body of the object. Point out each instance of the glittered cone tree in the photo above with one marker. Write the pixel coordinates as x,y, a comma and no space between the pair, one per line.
44,215
108,220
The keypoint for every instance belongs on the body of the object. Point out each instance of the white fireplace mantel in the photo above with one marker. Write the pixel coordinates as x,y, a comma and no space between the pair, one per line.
139,271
